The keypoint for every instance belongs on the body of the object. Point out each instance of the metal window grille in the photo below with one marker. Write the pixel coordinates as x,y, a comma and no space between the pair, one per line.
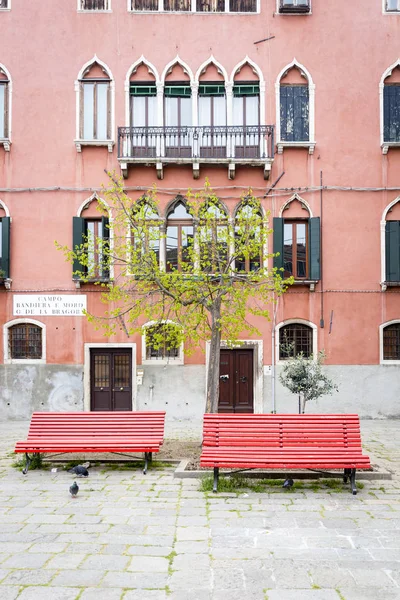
242,5
210,5
163,351
25,341
144,5
178,5
391,342
295,339
95,4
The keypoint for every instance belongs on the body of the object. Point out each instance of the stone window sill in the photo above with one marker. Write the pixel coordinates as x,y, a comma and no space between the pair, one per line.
6,143
282,145
80,143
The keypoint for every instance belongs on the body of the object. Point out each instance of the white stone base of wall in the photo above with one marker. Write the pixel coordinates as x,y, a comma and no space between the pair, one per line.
371,391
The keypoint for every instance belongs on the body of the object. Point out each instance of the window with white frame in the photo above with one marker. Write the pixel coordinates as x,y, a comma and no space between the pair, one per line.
24,340
145,234
295,338
390,340
5,4
94,106
97,5
392,6
162,343
295,108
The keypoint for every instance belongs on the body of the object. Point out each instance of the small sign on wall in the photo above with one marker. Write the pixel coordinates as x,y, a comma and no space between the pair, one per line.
32,305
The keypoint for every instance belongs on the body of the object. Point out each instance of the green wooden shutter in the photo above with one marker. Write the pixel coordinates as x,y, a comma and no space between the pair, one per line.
78,238
278,242
392,251
5,247
391,113
105,268
314,237
294,111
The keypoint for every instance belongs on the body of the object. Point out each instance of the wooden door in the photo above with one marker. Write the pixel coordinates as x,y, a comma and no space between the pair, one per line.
110,379
236,381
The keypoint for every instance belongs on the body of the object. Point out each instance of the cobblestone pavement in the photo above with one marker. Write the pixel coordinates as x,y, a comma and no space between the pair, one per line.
133,537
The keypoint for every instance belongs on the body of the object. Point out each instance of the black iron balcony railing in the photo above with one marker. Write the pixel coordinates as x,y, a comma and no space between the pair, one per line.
199,6
294,6
197,142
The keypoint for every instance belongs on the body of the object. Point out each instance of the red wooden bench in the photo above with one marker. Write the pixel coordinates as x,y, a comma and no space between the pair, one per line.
114,432
266,441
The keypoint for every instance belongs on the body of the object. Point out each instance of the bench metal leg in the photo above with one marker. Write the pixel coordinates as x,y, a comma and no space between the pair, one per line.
28,461
346,475
216,475
148,458
353,482
27,464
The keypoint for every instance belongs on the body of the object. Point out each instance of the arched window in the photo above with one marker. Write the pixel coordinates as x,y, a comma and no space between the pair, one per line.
246,115
143,110
248,224
5,230
294,339
213,238
178,111
91,239
145,229
389,339
391,342
95,110
179,238
212,119
390,244
24,340
295,97
297,242
389,93
391,107
162,343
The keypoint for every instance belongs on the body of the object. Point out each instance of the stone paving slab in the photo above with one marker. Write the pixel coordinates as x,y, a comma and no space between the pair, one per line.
133,537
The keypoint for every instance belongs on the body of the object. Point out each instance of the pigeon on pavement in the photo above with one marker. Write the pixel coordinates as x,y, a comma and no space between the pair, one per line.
79,471
288,483
74,489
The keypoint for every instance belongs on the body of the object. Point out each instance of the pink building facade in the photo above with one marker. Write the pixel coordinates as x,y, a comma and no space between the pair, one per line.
298,100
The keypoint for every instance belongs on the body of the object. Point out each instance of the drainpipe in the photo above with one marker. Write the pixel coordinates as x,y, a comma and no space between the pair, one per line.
273,371
321,321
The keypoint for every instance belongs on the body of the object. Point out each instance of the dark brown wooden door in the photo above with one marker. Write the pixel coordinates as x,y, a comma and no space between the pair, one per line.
236,381
111,379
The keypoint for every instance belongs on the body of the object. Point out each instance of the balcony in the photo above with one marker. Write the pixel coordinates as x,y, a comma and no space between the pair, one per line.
294,7
220,145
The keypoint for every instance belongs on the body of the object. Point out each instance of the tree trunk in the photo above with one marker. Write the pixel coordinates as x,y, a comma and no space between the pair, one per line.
213,363
303,407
